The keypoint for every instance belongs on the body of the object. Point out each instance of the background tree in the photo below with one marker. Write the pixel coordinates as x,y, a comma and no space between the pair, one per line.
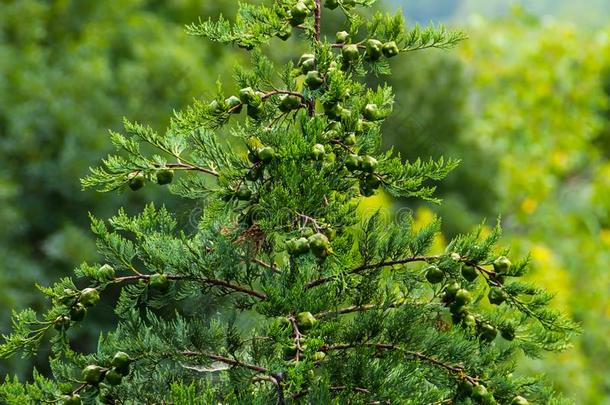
65,79
548,128
284,240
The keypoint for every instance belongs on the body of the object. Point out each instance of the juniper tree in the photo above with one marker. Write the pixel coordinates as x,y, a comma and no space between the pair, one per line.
282,293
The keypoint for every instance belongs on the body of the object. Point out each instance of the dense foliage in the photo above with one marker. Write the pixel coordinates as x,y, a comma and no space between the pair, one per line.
540,95
68,71
281,293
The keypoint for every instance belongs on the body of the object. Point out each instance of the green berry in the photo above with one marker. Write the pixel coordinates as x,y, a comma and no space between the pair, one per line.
479,392
308,66
342,37
317,151
508,333
235,103
373,49
329,158
462,297
350,140
106,272
247,95
350,52
215,106
469,320
458,313
121,362
519,400
318,243
487,332
92,374
452,289
159,282
73,399
390,49
89,297
113,377
298,13
62,322
305,57
306,232
371,112
371,181
434,275
266,153
78,312
136,182
368,164
68,296
289,102
314,80
352,162
469,273
305,321
501,265
496,296
298,246
243,194
319,356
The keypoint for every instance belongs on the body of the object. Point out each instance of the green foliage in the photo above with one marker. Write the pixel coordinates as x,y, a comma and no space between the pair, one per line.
282,294
549,134
68,71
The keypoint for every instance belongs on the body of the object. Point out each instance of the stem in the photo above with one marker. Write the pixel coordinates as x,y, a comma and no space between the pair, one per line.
183,166
273,378
226,360
318,17
355,308
297,337
379,265
454,369
211,281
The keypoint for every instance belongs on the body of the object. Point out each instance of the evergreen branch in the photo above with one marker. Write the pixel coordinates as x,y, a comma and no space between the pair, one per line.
184,166
210,281
376,266
458,370
297,337
271,377
318,17
356,308
226,360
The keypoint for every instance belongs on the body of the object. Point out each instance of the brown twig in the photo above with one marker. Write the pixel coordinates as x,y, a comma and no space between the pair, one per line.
379,265
210,281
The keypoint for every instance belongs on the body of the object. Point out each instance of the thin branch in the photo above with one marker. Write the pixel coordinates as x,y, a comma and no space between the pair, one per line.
211,281
318,17
379,265
454,369
226,360
297,337
184,166
355,308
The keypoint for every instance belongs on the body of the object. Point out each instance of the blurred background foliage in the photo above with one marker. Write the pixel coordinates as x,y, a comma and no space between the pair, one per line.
524,103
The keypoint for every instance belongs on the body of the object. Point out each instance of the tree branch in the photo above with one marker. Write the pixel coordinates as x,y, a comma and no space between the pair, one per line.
211,281
454,369
355,308
379,265
318,17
